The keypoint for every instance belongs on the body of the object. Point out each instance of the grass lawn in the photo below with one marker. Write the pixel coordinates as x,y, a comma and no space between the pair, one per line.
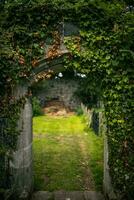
67,155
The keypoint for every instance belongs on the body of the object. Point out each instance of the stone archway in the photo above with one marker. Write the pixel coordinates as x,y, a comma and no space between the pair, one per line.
21,165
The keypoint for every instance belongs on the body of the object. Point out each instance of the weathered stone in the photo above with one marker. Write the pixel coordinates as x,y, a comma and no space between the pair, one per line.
92,195
42,195
74,195
62,90
107,185
21,164
68,195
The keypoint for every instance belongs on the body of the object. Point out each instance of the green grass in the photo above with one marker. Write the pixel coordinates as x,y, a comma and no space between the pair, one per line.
65,153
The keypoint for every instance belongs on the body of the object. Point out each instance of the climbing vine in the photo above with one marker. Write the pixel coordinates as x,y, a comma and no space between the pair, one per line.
108,62
103,52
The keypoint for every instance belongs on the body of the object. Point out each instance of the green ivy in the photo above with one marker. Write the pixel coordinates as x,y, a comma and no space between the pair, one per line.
104,54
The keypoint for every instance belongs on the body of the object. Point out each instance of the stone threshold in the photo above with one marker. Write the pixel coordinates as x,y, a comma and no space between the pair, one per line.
67,195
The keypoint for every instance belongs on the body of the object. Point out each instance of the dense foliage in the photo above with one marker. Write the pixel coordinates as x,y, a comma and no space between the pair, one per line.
103,51
37,110
108,65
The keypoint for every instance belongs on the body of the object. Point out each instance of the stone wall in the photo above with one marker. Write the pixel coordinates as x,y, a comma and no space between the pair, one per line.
95,119
62,90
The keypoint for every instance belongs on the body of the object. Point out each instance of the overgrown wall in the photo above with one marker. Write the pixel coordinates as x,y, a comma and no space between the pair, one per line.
62,90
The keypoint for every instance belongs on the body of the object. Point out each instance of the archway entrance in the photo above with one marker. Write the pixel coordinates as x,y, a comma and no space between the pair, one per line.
23,166
68,158
105,53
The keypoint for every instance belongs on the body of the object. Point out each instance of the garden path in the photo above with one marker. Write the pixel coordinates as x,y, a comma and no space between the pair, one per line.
62,157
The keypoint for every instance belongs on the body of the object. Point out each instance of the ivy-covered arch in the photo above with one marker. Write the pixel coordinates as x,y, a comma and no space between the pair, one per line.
104,52
21,164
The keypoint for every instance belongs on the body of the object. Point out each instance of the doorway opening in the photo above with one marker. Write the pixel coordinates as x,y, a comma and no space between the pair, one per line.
68,155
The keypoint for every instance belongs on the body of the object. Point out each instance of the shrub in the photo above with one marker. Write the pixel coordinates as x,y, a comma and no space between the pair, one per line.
79,111
37,110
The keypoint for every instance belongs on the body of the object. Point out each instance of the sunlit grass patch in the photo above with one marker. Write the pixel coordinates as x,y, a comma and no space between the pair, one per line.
63,151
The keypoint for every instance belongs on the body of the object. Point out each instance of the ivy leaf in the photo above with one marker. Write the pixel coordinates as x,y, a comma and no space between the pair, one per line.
36,45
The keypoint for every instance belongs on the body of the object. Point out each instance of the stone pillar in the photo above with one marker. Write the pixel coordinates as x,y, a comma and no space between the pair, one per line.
107,185
21,165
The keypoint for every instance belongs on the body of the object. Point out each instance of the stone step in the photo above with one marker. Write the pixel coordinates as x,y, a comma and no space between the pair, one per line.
42,195
68,195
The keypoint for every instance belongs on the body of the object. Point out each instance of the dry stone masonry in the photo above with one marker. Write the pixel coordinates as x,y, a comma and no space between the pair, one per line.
62,90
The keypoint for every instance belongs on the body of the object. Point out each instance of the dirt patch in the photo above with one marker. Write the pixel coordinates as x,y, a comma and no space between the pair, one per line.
57,108
87,178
